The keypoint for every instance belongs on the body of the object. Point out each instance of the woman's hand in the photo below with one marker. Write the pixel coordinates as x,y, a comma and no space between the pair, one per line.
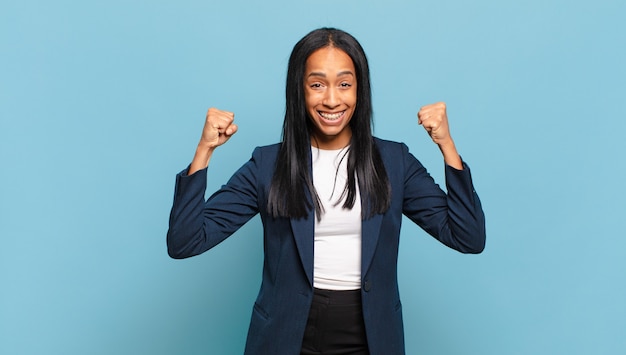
218,128
434,119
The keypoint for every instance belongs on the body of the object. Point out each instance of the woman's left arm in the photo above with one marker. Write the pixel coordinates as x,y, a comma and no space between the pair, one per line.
455,218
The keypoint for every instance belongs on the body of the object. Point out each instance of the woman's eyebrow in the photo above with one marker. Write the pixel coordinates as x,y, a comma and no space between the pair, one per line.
320,74
345,72
323,75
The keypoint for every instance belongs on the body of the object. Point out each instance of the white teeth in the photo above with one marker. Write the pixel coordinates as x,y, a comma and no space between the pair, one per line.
331,116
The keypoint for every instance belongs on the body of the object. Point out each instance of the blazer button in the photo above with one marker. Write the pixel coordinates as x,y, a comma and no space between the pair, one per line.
367,286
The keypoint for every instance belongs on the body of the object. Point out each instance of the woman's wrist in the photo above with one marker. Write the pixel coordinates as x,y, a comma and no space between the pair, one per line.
201,158
451,155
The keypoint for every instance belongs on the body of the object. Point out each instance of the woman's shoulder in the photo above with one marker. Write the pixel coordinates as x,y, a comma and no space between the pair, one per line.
268,149
266,154
388,146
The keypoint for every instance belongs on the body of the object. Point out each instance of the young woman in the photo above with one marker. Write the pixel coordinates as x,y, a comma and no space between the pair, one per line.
331,199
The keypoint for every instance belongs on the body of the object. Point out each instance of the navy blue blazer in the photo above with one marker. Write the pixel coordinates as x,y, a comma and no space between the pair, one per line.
280,313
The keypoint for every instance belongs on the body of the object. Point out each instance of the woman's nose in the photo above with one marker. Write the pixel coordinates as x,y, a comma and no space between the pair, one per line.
331,98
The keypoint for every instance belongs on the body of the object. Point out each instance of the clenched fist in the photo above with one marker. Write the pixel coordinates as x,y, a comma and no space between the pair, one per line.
434,119
218,128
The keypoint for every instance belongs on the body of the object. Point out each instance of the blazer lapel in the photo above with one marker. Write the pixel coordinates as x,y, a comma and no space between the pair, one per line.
303,232
370,231
303,229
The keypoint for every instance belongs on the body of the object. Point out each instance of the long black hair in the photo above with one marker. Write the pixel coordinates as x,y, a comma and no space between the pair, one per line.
292,179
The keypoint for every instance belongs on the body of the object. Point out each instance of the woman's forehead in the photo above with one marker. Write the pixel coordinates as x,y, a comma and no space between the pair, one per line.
330,59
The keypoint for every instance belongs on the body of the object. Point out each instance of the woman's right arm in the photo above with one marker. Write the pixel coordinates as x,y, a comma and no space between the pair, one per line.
191,227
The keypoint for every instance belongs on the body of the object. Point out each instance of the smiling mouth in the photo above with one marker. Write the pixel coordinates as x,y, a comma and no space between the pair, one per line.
331,116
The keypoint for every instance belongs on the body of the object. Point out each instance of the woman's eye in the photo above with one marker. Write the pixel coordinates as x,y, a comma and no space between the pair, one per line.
345,85
316,85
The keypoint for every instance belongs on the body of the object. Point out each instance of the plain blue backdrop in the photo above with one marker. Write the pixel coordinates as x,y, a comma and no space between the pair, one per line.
102,103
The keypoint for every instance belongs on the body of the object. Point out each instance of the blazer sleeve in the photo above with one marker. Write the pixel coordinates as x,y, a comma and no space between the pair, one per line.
456,219
196,225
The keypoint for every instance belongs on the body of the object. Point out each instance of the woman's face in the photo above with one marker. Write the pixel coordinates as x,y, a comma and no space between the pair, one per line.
330,94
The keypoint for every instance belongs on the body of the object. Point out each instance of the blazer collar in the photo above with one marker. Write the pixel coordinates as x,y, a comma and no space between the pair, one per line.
370,232
303,229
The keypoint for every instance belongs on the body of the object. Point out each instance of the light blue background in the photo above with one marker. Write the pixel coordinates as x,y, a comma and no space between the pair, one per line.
102,103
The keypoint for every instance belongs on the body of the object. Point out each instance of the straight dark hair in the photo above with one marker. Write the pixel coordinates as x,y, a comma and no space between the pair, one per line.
292,193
